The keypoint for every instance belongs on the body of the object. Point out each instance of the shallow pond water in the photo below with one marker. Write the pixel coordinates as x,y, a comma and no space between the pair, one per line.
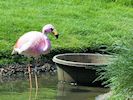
17,88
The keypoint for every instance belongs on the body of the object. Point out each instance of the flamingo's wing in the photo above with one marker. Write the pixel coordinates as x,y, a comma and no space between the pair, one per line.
25,47
32,44
23,43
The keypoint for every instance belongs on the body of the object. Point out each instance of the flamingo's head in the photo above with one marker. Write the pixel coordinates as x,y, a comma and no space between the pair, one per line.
49,29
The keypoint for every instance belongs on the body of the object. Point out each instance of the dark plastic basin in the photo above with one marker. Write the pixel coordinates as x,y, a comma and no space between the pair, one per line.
79,68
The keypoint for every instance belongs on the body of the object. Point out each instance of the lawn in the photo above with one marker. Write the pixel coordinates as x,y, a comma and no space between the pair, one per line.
82,25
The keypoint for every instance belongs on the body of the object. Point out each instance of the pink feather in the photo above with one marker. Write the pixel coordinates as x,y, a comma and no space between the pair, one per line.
33,44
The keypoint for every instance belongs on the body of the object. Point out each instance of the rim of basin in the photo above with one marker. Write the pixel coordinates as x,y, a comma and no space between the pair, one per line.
57,59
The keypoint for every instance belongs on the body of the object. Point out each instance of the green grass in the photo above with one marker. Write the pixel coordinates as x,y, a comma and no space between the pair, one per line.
86,24
119,74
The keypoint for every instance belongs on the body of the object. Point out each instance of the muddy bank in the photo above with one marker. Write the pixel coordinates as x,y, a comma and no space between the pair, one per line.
15,69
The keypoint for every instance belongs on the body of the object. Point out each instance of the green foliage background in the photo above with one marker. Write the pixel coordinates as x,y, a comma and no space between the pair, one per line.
82,25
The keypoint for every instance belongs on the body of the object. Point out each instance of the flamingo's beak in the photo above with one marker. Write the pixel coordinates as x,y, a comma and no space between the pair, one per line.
55,34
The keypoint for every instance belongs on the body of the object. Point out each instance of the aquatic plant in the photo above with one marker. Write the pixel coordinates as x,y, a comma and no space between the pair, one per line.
119,74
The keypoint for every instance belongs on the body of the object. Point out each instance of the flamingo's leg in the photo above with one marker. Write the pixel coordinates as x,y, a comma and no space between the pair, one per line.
30,80
36,82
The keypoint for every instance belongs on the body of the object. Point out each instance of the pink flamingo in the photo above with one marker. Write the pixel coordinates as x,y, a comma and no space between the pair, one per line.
34,44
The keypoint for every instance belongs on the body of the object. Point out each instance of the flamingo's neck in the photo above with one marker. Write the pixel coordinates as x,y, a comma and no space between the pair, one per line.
47,47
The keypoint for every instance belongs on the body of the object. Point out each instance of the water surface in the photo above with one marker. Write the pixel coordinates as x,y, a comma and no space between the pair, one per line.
17,88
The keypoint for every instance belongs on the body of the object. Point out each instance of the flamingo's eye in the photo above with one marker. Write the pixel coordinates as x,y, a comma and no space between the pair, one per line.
52,29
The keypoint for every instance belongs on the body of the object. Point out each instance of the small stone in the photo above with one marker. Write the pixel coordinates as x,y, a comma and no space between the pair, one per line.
73,83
